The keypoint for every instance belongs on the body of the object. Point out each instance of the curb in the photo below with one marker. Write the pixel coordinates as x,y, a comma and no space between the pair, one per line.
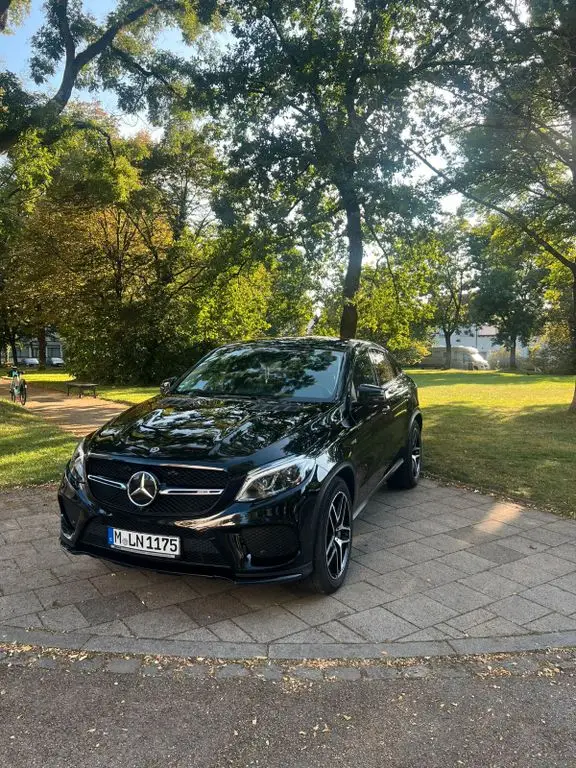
289,651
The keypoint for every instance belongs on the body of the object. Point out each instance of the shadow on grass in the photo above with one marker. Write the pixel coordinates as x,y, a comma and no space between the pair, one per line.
527,454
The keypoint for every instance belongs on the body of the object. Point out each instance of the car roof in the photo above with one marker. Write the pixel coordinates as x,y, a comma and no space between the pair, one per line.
304,341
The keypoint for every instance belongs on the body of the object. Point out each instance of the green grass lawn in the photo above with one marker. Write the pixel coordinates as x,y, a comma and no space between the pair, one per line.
58,379
505,432
31,451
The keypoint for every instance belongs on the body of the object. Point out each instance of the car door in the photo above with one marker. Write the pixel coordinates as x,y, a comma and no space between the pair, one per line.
392,419
360,442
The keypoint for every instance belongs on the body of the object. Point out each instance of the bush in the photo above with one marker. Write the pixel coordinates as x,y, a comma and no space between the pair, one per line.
553,352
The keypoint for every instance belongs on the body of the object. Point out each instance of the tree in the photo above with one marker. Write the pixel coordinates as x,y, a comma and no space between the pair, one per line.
451,283
317,95
119,54
512,129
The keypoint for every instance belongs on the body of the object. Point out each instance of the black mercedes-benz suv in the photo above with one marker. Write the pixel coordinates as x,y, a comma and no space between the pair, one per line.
251,466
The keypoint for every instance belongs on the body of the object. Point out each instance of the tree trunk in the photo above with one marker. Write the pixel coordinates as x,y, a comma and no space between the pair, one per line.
14,352
448,353
573,403
349,319
513,353
42,346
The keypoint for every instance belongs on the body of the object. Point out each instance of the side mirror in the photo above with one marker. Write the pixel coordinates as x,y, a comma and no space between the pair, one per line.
371,393
166,385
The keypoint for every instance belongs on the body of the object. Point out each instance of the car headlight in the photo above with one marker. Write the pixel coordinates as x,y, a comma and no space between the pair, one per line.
275,478
76,464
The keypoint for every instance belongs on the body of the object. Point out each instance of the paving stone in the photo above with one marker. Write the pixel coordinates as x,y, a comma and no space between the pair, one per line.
521,573
21,536
120,581
545,536
66,594
421,610
434,573
524,545
339,632
205,586
465,562
316,609
230,632
306,673
357,572
497,627
553,622
567,582
270,623
28,621
417,672
123,666
356,597
566,551
415,552
445,543
466,621
209,610
79,568
104,609
553,598
398,584
424,635
270,672
14,581
263,595
313,635
201,635
171,592
383,673
379,625
162,622
13,551
495,552
382,562
518,609
391,537
230,670
548,562
89,665
458,597
566,527
18,605
115,628
343,673
492,584
66,619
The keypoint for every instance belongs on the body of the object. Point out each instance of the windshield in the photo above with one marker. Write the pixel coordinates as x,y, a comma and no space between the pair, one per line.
294,373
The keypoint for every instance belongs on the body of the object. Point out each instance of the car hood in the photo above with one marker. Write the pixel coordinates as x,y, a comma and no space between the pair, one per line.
178,426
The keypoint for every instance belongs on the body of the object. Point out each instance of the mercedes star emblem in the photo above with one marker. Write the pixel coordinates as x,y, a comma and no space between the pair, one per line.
142,489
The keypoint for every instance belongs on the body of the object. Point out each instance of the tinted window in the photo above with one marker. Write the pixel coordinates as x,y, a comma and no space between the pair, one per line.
384,368
363,372
299,373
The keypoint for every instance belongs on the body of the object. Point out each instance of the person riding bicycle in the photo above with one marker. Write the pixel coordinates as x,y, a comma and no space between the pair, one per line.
17,384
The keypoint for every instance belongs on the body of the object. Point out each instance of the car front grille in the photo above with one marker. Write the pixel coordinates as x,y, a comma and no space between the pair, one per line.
199,480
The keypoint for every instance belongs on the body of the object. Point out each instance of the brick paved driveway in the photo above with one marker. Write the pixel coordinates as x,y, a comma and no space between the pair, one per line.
436,570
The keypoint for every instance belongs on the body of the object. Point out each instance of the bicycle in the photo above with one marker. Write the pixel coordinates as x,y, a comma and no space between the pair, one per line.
18,388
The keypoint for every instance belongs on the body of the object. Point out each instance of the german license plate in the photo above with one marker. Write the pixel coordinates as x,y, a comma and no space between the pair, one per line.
147,543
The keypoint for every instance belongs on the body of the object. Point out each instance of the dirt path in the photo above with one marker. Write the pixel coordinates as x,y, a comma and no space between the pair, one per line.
73,414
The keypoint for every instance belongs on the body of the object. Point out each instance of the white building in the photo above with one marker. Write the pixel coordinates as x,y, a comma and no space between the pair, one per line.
480,336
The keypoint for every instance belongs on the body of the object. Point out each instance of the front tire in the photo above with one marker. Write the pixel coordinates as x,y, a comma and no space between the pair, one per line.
23,394
333,544
408,475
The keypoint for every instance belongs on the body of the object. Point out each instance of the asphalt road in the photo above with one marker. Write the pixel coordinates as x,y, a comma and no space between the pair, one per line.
51,718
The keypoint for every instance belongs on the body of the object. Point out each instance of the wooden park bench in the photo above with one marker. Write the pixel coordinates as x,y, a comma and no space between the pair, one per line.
80,387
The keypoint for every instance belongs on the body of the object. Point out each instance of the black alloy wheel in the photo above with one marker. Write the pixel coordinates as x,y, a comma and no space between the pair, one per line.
408,475
333,544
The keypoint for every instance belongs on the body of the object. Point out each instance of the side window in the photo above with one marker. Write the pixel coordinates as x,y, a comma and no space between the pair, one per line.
384,368
363,372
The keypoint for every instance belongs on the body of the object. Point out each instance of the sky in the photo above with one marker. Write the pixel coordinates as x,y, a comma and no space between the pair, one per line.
15,52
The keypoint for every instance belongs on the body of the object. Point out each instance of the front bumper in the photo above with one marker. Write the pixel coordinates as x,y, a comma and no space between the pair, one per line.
246,542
